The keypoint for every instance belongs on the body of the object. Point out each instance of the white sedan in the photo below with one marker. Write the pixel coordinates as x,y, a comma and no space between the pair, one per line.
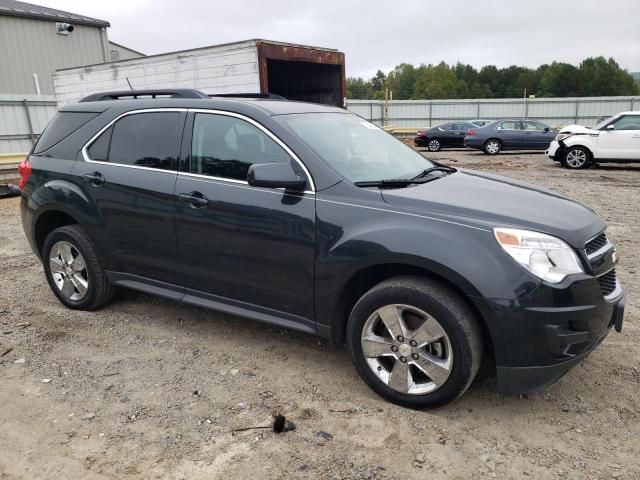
616,139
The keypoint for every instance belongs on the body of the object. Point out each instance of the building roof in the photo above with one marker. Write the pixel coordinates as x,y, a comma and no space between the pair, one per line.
29,10
125,48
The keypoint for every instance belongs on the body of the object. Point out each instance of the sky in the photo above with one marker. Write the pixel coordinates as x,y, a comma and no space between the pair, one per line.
381,34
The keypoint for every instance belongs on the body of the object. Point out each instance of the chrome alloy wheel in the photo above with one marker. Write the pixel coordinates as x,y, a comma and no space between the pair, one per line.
69,270
434,145
407,349
576,158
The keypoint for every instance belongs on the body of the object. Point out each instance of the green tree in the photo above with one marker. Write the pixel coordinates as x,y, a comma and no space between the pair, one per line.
559,80
357,88
600,77
438,81
401,80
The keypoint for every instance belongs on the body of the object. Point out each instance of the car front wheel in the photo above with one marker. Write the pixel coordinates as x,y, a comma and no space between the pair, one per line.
576,158
415,342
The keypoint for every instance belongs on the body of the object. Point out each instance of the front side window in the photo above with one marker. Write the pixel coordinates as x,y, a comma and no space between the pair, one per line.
225,146
143,139
628,122
356,149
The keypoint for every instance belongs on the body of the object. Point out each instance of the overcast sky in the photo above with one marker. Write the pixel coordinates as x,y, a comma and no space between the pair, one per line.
381,34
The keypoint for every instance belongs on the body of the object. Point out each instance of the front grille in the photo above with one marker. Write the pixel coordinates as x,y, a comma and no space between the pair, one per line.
608,282
596,243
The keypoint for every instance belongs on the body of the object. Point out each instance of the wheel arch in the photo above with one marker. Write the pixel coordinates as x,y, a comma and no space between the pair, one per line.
47,222
366,278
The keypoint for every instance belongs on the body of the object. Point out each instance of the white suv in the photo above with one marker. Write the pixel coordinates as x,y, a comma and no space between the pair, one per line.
616,139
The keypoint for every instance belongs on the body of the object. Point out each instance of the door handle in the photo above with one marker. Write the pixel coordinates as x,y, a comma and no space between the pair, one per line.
95,178
196,199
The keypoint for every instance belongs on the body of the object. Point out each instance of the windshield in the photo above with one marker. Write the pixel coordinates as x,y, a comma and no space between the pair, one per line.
356,149
603,122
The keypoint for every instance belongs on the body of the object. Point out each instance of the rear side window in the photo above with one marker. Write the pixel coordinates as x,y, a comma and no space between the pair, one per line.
143,139
60,127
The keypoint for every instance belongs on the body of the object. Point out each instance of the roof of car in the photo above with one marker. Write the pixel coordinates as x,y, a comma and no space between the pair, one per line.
269,106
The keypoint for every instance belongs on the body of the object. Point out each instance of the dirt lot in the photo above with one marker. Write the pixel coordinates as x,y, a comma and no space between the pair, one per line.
147,388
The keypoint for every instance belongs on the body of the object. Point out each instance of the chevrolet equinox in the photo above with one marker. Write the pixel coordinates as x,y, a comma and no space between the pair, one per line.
309,217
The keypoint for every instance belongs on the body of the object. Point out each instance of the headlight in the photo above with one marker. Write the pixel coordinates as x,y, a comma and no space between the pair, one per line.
547,257
562,136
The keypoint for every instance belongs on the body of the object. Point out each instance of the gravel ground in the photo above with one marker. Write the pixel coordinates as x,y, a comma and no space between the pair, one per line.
147,388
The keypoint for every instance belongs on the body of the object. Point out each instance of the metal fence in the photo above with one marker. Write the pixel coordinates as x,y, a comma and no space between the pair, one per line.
22,119
552,111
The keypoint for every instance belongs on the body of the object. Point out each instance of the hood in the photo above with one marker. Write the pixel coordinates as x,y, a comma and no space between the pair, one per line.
578,129
486,200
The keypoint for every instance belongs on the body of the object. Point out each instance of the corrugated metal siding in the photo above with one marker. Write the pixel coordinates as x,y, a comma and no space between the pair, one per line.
29,46
552,111
220,69
14,127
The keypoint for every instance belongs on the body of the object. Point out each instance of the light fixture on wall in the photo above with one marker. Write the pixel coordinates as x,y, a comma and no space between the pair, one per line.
64,28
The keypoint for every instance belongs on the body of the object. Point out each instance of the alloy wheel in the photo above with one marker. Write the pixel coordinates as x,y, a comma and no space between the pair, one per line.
69,270
407,349
434,145
576,158
493,147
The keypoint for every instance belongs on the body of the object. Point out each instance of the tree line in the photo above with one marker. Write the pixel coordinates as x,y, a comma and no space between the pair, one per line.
596,76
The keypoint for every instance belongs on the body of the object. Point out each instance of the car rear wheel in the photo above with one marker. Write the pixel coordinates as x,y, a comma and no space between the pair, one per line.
576,158
434,145
492,147
415,342
73,270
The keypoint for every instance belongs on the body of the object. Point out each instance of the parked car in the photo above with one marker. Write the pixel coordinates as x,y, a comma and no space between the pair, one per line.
615,139
510,135
308,217
447,135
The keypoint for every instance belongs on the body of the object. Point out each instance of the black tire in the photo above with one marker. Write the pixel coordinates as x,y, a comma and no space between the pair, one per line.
99,290
434,145
571,156
487,147
444,305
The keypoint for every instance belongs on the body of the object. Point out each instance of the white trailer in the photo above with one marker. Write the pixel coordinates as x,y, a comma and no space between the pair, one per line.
296,72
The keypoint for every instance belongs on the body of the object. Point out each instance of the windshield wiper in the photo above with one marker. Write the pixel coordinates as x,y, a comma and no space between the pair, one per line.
439,168
423,177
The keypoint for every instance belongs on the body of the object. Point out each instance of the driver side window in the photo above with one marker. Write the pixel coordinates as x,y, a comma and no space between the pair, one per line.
224,146
628,122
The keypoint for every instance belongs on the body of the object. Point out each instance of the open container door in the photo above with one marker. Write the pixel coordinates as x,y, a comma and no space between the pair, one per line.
302,73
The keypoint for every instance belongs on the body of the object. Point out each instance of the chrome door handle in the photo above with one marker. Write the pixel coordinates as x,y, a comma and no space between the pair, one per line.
95,178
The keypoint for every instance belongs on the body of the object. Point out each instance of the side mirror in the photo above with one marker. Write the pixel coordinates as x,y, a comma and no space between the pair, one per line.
611,127
275,175
547,129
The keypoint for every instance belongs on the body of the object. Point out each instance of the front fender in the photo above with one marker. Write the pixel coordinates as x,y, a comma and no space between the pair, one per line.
353,238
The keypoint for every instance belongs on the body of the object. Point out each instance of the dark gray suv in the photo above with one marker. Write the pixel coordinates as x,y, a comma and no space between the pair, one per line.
309,217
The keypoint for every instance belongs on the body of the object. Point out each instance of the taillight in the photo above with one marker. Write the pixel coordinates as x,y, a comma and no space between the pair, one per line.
24,169
419,133
471,132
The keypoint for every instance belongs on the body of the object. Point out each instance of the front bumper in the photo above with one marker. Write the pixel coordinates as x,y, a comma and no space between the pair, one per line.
554,150
535,344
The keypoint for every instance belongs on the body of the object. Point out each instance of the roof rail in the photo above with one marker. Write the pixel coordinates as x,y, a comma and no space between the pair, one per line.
129,94
272,96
